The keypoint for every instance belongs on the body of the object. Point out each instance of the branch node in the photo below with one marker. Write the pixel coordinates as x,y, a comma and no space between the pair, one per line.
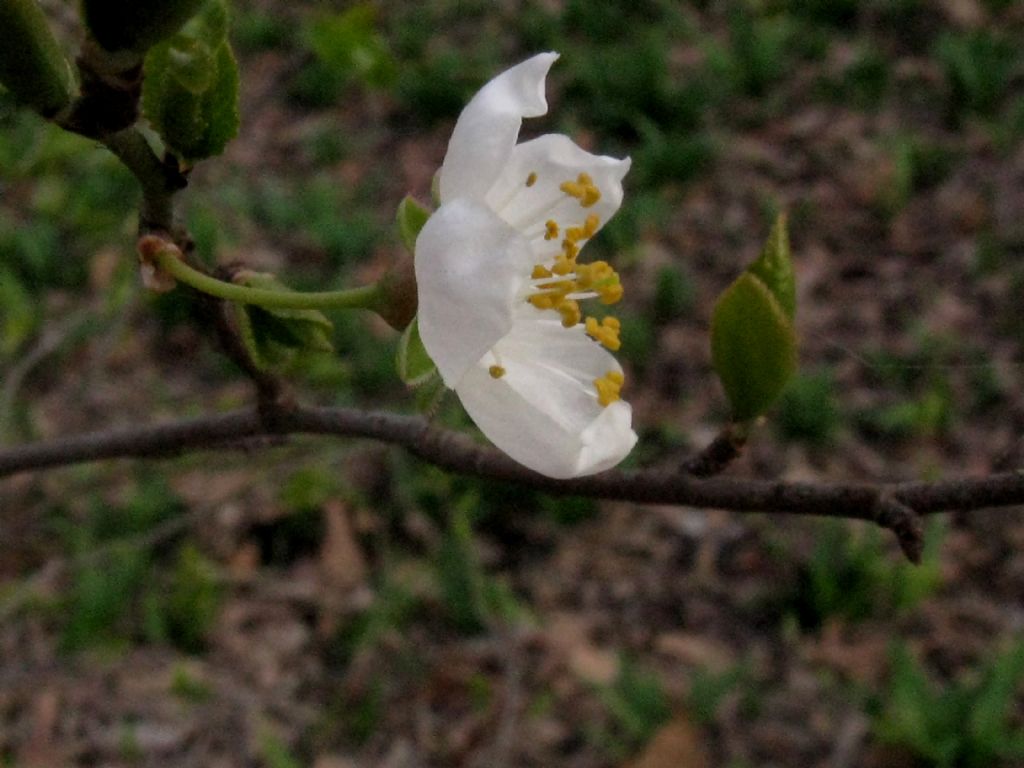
274,403
905,522
111,86
719,453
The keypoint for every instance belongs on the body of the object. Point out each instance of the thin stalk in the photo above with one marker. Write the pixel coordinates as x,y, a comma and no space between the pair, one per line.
366,297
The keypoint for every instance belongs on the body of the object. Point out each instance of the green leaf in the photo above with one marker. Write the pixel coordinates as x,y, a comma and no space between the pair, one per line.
775,267
274,336
221,105
411,216
190,92
135,24
414,364
32,66
195,66
753,346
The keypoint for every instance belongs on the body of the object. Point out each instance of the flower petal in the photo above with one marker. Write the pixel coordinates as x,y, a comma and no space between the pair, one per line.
554,158
544,412
470,268
488,127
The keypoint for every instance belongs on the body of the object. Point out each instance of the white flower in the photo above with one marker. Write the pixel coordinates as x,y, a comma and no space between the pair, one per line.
499,284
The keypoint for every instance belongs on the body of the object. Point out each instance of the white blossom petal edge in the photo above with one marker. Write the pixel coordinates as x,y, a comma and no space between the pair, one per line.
499,284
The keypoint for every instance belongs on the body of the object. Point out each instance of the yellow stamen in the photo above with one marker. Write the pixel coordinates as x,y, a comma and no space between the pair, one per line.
583,189
544,300
496,371
570,312
531,179
565,277
610,294
608,387
600,278
588,230
606,332
563,265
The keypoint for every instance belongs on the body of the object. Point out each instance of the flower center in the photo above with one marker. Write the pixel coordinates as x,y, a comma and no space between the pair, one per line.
563,284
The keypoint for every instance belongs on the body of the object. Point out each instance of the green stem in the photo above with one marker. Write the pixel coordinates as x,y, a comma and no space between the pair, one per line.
158,185
366,297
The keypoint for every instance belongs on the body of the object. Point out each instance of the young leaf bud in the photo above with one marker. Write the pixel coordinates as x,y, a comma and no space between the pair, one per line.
32,66
136,25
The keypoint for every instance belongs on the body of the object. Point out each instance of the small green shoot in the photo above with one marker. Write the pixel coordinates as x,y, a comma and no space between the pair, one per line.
708,690
851,575
753,342
475,599
965,723
190,688
276,753
637,707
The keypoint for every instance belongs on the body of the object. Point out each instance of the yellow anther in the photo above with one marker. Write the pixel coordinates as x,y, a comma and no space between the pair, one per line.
583,189
611,294
563,265
609,387
543,300
571,188
570,312
606,332
589,275
585,274
600,278
496,371
531,179
565,278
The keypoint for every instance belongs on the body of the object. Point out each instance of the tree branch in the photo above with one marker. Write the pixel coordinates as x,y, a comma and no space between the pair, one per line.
158,180
895,506
106,110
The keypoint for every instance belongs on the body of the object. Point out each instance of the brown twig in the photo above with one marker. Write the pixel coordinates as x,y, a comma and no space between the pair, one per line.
106,110
901,519
455,452
271,396
719,453
158,179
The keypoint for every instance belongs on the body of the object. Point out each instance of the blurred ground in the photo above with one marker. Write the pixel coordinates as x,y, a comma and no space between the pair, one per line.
337,605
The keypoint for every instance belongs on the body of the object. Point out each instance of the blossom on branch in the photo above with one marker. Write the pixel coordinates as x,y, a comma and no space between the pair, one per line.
500,284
